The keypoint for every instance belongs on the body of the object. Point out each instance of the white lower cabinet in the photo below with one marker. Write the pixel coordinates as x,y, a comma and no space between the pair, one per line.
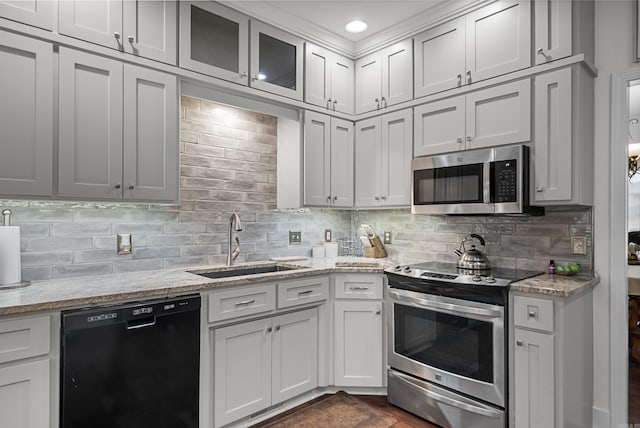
358,340
551,374
263,362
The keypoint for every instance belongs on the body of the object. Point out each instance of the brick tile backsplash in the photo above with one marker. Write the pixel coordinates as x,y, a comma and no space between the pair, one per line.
227,164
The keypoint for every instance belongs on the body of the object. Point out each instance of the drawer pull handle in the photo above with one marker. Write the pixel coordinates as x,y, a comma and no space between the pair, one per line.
245,302
269,330
277,328
378,311
359,288
304,293
519,342
532,314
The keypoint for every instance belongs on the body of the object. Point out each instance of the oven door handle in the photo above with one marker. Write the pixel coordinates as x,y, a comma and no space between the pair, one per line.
451,307
488,412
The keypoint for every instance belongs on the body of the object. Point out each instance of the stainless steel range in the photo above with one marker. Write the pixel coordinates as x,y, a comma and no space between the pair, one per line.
447,342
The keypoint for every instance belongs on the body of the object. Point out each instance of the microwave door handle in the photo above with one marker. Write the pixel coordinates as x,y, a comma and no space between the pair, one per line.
487,189
491,413
450,307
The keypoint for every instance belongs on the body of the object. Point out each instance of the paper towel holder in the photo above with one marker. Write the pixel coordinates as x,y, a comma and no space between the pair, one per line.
6,221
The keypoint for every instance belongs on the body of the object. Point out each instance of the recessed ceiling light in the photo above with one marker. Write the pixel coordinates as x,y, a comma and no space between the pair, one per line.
356,26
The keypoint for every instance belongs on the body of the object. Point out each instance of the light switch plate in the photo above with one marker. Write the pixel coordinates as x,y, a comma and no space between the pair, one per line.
327,235
124,243
295,237
579,245
387,237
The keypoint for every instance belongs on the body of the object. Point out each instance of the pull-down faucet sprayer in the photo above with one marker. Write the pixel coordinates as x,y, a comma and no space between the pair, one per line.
232,255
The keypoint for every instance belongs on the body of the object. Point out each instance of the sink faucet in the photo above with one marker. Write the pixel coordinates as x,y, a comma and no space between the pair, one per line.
232,255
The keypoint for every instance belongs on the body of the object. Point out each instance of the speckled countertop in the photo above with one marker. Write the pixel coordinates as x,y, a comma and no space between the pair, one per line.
92,290
556,285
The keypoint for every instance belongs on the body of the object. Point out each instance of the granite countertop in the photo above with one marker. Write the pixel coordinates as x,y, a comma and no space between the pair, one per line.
95,290
556,285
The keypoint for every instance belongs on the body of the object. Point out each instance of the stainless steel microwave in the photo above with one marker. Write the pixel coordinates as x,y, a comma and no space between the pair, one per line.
484,181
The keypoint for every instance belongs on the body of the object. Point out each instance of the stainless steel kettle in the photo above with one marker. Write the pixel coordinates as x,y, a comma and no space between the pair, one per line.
472,259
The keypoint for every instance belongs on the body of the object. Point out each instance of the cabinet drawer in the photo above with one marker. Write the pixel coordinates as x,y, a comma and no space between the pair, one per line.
358,286
24,338
534,313
234,303
303,291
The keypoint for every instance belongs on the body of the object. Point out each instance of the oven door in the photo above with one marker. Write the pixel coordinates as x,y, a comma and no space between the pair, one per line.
455,343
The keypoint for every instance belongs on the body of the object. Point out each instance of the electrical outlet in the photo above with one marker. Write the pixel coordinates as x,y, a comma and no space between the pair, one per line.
327,235
387,237
579,245
295,238
124,243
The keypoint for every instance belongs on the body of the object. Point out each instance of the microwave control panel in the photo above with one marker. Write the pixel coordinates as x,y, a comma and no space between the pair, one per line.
505,183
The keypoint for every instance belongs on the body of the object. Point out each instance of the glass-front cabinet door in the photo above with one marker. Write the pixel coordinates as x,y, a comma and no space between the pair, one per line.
214,40
276,61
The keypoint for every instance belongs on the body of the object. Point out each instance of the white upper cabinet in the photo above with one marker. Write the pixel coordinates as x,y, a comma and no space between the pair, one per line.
140,27
276,61
563,144
26,116
384,149
102,133
329,79
384,78
328,161
38,13
489,117
214,40
491,41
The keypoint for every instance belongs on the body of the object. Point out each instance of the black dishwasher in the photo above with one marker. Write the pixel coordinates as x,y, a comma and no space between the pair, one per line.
132,365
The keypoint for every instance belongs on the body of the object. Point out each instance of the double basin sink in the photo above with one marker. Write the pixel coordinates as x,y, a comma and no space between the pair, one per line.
246,270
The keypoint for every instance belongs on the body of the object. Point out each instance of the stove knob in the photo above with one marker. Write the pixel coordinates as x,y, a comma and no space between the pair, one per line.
397,268
490,279
476,278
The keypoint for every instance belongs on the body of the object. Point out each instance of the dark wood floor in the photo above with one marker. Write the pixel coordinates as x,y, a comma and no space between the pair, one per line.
634,393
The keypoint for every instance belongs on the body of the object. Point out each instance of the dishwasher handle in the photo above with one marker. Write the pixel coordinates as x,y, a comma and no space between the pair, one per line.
141,323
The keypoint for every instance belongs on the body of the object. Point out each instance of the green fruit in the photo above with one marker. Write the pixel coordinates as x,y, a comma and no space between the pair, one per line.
560,268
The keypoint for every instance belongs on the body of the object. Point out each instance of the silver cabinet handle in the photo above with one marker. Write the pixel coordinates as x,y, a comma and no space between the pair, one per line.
118,186
359,288
383,198
243,74
245,302
468,138
384,100
329,199
459,79
304,293
328,106
131,186
334,104
277,328
269,330
377,198
539,189
131,39
540,51
378,311
532,314
468,76
377,103
116,35
335,198
519,342
459,140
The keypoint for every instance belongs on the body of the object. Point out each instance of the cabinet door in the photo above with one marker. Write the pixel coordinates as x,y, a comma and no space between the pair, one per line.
295,354
276,61
150,135
38,13
439,127
242,370
149,29
214,40
342,84
553,137
397,73
26,116
439,63
98,21
499,115
368,83
358,344
368,155
534,379
397,152
90,143
317,155
341,163
552,30
498,39
317,78
24,395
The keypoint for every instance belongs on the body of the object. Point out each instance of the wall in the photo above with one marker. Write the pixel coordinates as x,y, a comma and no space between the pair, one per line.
615,30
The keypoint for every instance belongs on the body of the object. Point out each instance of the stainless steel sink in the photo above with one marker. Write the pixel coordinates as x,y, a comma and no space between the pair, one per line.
243,271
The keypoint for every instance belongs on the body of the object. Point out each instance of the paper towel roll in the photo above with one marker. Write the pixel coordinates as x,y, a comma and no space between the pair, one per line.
9,255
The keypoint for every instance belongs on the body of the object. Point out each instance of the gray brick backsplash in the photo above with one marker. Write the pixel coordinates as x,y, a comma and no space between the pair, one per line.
228,165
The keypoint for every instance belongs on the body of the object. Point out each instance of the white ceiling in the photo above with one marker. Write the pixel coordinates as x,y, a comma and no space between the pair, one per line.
324,21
